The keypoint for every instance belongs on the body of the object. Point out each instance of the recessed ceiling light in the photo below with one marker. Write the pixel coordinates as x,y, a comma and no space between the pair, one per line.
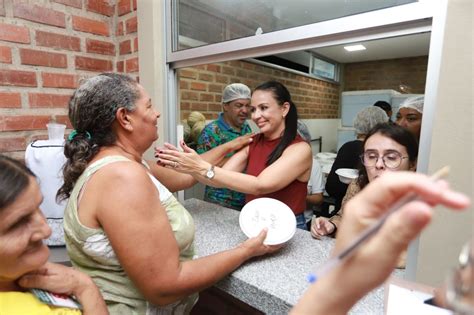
354,47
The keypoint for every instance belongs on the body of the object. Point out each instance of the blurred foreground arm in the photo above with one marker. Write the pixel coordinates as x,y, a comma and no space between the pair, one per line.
382,251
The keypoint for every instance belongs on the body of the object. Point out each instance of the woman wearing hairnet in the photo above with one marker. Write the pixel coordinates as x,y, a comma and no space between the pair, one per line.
410,113
348,154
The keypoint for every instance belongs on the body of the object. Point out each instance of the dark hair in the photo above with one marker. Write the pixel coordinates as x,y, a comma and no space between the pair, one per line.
92,110
398,134
383,105
14,179
282,95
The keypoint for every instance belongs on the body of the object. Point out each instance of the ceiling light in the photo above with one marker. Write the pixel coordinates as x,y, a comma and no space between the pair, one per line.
354,47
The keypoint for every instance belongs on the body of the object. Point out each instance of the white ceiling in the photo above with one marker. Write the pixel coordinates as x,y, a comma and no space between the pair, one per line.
387,48
290,13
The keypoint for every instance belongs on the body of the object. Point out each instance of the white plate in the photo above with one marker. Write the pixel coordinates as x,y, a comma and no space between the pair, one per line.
346,175
268,212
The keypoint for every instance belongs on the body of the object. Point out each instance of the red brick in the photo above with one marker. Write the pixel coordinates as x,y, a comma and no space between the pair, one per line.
119,31
134,5
124,7
12,144
45,100
131,25
93,64
71,3
90,26
63,119
131,65
100,47
39,14
2,8
10,100
42,58
17,78
206,77
24,122
198,86
135,44
100,6
125,47
213,68
206,97
120,66
58,41
14,33
5,54
59,80
190,74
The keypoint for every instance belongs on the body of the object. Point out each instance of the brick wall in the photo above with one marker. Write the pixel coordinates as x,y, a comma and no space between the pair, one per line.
46,48
387,74
201,88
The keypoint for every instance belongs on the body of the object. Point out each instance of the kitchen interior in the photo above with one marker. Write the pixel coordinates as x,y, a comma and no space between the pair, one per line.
325,70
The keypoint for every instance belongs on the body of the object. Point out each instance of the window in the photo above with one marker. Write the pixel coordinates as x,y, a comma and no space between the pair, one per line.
324,68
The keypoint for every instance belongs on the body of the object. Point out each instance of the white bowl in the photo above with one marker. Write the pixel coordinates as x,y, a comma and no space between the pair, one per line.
346,175
272,214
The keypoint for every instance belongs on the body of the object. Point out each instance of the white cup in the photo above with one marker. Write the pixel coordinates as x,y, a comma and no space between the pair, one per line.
56,131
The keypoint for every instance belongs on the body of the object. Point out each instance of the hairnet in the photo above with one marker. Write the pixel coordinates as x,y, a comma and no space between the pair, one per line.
367,118
303,131
415,102
235,91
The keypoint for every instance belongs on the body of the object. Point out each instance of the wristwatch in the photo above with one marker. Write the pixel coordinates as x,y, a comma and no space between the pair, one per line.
210,172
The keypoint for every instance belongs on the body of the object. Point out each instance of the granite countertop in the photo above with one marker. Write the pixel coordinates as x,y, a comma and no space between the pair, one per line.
272,284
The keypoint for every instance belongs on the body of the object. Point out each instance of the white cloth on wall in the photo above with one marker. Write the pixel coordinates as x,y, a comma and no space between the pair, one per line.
46,159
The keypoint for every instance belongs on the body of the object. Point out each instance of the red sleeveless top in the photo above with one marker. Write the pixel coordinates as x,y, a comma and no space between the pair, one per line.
293,195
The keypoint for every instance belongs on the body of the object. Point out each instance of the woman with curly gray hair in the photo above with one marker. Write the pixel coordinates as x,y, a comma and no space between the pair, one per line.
348,154
122,224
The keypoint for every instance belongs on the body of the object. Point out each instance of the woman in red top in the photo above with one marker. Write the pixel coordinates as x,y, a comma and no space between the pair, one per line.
277,162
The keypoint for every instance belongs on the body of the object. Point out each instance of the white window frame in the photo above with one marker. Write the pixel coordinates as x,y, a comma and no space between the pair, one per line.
420,17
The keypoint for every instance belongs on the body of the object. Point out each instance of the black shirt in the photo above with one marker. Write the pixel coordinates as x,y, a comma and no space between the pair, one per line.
347,157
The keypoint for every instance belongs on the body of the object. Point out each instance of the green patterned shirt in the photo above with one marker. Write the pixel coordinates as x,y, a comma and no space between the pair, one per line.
216,133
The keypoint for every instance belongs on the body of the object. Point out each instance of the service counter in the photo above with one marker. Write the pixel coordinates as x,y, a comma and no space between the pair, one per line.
271,284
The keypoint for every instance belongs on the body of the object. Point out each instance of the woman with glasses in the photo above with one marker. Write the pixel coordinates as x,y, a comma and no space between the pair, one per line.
387,148
348,154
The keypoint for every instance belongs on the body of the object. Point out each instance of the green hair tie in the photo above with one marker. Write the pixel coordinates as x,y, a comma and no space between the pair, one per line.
74,133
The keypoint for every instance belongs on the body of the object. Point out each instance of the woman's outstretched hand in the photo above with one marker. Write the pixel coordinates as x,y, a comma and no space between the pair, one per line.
240,142
255,246
185,161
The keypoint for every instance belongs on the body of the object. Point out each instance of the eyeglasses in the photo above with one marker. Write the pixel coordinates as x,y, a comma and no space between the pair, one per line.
391,160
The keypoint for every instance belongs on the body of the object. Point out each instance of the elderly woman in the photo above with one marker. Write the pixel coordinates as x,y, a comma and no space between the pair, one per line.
122,224
387,148
348,154
410,113
277,163
24,256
